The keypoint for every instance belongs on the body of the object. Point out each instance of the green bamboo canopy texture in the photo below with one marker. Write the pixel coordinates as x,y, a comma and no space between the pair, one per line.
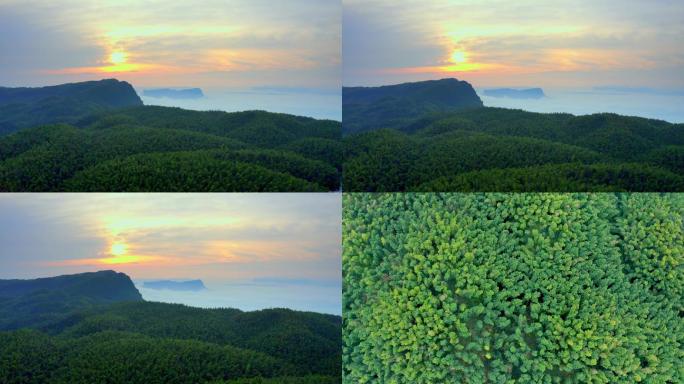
513,288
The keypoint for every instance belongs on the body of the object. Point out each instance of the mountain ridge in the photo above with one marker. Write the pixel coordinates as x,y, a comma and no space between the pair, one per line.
364,108
121,93
74,283
25,107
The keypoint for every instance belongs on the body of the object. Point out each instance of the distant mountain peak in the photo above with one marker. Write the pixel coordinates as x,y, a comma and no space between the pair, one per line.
175,285
174,93
514,93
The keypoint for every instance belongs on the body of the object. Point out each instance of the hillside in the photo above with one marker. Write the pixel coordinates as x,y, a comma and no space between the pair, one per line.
66,103
368,108
134,341
497,149
149,148
41,301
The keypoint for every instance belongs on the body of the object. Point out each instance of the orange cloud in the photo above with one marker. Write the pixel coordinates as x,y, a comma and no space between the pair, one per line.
443,69
255,59
251,251
112,69
106,261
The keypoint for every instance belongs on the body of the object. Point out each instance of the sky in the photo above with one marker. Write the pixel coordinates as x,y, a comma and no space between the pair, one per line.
205,43
490,43
224,238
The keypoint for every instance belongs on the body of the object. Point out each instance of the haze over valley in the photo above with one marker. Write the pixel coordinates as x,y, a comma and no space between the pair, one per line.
298,294
642,102
319,103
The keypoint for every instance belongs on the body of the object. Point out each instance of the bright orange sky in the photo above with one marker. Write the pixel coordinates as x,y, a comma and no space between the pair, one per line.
157,43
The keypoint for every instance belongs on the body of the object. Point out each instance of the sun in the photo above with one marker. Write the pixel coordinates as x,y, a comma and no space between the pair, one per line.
118,249
458,57
117,57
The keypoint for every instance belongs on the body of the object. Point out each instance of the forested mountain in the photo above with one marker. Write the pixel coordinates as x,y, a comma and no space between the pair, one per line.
41,301
66,103
368,108
84,337
497,149
149,148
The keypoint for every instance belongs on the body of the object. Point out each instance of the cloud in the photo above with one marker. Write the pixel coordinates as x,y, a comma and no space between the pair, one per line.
385,42
170,234
26,47
171,43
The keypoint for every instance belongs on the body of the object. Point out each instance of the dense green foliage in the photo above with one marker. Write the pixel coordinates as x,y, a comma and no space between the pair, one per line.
66,103
80,338
513,288
285,380
171,149
633,177
209,171
495,149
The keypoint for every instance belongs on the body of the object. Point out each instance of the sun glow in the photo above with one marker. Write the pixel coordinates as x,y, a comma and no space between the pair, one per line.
458,57
123,259
118,249
117,57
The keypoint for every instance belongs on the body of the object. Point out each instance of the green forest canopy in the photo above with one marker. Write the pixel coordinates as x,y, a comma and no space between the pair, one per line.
64,333
170,149
513,288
